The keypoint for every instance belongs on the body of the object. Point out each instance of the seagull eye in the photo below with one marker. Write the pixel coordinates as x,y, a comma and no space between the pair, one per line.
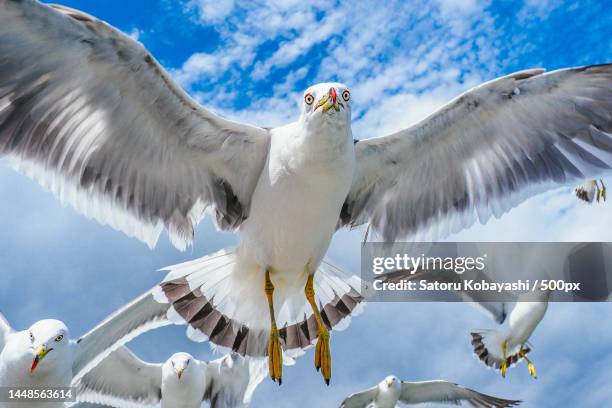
309,99
59,338
31,337
346,95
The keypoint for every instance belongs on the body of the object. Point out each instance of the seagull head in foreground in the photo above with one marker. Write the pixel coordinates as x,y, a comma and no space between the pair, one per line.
129,148
180,366
49,342
392,391
327,103
44,355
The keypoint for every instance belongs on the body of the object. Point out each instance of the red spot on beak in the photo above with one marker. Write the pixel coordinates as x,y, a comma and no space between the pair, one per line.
333,95
34,364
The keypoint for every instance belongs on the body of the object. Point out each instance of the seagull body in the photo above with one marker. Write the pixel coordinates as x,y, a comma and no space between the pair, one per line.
503,347
123,380
45,356
590,191
391,392
88,112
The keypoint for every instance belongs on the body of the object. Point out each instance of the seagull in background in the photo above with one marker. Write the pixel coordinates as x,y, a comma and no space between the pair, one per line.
123,380
44,355
88,112
590,191
392,392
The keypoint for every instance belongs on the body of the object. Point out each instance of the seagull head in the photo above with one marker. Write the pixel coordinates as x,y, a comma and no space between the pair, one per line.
390,382
328,102
49,341
182,364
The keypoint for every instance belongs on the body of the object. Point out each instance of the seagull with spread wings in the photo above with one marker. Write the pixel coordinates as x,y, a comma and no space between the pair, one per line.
91,115
123,380
391,391
44,355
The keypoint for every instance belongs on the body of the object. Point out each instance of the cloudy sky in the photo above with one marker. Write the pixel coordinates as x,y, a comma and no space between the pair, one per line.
250,61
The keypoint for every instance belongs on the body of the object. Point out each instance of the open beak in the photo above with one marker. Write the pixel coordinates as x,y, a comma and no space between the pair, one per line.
329,101
389,383
179,373
40,353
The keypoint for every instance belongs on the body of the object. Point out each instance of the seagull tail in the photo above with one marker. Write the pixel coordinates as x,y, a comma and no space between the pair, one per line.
488,348
221,298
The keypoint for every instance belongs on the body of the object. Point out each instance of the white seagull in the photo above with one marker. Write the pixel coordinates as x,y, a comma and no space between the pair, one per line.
44,355
90,114
590,191
123,380
518,314
391,392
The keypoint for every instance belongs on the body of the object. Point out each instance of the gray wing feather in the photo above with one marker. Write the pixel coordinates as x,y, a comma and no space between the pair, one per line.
484,152
141,315
360,399
450,393
122,380
88,112
5,330
232,379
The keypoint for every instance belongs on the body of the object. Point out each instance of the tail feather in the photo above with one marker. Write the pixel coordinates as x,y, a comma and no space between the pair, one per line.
488,348
218,297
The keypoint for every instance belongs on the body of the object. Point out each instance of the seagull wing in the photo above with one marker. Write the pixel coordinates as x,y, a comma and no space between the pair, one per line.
232,379
141,315
122,380
86,111
5,330
360,399
450,393
483,153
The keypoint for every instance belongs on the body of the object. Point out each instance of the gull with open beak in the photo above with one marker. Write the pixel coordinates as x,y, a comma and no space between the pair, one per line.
123,380
44,355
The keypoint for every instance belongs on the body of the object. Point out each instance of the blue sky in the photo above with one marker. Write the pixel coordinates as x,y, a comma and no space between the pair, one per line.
250,61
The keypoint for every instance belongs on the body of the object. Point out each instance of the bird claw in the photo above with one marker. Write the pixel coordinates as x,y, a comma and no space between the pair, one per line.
323,356
532,370
275,357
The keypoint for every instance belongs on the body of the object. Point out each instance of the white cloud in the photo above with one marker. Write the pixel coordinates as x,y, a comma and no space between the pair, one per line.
212,10
135,33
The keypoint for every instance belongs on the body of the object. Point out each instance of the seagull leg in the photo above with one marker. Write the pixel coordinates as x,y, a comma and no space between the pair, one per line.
601,191
530,366
322,349
275,353
504,366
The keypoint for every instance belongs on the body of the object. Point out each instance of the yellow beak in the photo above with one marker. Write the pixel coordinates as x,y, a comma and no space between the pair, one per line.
40,353
179,373
389,383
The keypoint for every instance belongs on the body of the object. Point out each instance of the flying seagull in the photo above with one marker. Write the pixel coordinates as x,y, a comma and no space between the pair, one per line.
590,191
91,115
391,391
517,315
123,380
44,355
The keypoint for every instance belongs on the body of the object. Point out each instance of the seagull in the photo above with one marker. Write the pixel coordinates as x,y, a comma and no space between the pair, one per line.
590,191
123,380
391,391
88,112
518,317
44,355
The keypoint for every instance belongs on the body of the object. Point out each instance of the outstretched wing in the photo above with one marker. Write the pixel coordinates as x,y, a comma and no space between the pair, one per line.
484,152
232,379
5,330
141,315
122,380
450,393
360,399
88,112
